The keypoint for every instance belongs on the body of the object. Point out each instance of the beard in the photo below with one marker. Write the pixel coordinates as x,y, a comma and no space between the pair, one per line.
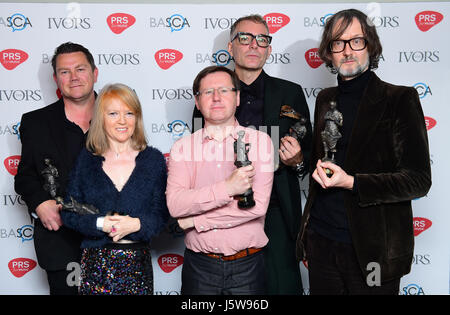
354,72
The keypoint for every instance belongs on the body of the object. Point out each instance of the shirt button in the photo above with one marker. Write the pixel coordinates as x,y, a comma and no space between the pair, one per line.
218,165
202,227
220,145
229,225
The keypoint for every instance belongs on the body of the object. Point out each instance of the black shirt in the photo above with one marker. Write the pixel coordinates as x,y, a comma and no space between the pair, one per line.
250,111
328,213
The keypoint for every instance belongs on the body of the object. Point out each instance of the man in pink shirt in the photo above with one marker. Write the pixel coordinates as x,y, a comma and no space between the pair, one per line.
223,242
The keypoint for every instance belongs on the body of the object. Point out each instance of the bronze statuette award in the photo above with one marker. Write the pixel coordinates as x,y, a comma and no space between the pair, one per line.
50,173
330,134
245,201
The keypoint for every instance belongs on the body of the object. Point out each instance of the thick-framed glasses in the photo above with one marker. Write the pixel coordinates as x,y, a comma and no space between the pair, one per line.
262,40
223,91
357,43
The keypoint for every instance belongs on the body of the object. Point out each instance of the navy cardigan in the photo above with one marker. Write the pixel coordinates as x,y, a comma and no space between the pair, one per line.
143,196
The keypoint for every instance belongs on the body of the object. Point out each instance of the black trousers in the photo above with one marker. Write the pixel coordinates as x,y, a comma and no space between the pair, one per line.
57,280
334,270
203,275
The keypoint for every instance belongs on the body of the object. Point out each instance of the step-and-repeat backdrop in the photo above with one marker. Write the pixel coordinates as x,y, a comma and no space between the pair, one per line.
159,49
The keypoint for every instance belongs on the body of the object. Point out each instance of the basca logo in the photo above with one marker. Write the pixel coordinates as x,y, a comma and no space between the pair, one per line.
11,58
221,58
413,289
169,262
25,233
312,58
12,130
166,58
314,21
119,22
276,21
176,22
430,122
21,266
420,225
177,128
11,163
427,19
422,89
17,22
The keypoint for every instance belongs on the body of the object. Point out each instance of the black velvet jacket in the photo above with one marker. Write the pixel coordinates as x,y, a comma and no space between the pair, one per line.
388,155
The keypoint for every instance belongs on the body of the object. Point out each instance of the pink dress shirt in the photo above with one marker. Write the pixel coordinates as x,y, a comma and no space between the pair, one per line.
198,167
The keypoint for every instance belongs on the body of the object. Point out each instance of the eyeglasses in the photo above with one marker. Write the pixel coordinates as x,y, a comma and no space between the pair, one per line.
223,91
357,43
262,40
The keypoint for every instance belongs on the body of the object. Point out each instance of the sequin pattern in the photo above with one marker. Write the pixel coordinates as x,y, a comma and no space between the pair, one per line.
116,272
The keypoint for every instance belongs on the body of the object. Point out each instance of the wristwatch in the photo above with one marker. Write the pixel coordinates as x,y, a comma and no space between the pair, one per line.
299,168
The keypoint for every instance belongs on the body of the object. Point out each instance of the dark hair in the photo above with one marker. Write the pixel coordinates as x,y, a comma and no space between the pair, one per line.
255,18
213,69
370,34
70,47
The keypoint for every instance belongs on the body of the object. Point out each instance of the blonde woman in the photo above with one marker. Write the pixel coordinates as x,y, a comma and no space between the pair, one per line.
126,180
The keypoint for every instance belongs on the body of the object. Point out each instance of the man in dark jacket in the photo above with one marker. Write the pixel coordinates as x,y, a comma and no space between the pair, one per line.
357,227
57,132
262,98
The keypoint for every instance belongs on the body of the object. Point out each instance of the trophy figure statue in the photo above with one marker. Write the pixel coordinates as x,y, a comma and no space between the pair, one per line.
298,129
245,201
50,174
330,134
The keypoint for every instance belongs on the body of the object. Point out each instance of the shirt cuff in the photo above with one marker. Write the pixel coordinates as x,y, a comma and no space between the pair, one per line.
99,224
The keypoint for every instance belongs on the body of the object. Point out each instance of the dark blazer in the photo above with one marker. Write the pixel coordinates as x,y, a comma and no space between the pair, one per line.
279,92
388,155
41,136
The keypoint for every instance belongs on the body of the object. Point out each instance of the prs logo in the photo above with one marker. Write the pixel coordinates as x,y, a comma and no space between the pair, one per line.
11,163
427,19
276,21
166,58
21,266
119,22
169,262
420,225
312,58
11,58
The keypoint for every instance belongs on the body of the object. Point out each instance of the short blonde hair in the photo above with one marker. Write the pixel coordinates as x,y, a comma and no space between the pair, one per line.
97,141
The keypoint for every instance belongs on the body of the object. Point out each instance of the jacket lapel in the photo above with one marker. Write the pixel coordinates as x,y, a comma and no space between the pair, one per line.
55,121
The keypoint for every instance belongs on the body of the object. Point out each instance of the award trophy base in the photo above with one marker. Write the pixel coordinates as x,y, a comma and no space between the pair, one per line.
246,201
327,171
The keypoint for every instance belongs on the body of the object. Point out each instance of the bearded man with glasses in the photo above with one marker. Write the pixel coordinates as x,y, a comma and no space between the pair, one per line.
357,227
261,99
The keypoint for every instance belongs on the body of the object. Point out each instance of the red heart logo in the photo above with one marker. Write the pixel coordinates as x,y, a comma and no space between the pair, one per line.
11,164
420,225
11,58
169,262
312,58
166,58
119,22
427,19
20,266
276,21
430,122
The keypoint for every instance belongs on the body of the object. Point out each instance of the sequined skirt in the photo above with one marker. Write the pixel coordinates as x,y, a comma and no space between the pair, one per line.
118,269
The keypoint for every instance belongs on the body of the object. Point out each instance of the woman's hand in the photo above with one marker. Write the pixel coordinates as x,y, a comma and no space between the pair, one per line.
119,226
